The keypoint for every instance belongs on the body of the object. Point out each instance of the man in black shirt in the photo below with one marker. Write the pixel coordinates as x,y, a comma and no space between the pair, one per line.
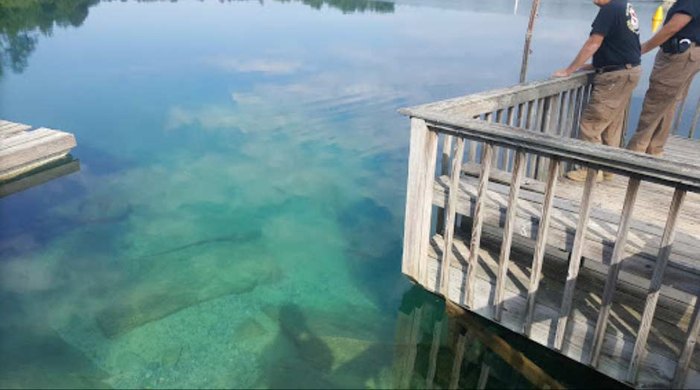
674,68
614,46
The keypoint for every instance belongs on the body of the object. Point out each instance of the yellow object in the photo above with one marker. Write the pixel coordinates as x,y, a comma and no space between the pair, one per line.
657,19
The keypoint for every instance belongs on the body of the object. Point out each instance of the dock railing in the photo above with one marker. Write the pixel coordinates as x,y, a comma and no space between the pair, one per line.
487,130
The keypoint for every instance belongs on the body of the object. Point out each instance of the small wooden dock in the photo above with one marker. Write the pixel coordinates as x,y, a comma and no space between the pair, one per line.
24,149
607,273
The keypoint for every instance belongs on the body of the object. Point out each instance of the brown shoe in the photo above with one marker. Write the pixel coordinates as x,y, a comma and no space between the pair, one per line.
580,175
608,176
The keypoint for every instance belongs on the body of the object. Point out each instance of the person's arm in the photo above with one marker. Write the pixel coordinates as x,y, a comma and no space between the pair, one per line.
676,24
579,63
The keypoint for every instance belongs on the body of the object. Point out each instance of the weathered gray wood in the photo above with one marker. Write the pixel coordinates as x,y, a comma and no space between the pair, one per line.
501,98
31,151
575,260
434,349
444,170
618,253
585,153
541,247
528,39
655,288
12,130
619,341
683,272
479,211
518,172
451,211
510,121
457,362
421,172
545,127
681,372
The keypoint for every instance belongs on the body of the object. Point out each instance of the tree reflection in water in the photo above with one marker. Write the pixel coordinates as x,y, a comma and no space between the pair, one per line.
23,21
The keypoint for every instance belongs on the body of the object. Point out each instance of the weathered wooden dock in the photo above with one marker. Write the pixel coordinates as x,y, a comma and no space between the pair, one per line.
607,273
24,149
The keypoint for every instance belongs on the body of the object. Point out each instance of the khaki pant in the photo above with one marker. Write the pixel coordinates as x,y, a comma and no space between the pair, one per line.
669,81
604,116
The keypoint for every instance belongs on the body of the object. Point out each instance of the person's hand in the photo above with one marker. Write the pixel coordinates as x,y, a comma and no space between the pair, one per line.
562,73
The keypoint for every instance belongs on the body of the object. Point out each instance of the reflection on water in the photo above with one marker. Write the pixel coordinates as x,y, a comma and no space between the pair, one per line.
439,347
22,21
237,218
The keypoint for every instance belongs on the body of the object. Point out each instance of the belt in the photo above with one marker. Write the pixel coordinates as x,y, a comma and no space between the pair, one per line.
613,68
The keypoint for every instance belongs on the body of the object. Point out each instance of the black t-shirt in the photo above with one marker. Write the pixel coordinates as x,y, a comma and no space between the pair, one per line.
618,24
692,9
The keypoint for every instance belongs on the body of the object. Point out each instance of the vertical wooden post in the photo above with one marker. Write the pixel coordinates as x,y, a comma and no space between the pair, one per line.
528,40
538,258
421,176
511,216
576,255
655,285
510,121
444,171
615,262
479,210
684,359
545,126
450,217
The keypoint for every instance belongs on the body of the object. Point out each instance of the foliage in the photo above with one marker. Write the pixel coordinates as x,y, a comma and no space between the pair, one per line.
22,21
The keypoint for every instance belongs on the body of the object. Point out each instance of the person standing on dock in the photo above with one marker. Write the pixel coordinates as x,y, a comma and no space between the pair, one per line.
674,68
616,51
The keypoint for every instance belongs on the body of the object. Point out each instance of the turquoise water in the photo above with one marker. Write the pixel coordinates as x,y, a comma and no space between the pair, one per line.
238,215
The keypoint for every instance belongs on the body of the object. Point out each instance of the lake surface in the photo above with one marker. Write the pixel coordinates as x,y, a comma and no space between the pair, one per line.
238,215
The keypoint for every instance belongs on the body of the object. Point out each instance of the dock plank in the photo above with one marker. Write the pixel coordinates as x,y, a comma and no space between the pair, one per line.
32,149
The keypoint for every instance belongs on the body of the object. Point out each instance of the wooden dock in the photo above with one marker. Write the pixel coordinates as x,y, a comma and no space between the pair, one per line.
24,149
607,273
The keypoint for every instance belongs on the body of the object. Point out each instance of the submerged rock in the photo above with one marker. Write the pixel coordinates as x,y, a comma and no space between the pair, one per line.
179,280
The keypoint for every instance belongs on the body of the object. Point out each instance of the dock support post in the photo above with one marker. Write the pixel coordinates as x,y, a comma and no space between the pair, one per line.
421,175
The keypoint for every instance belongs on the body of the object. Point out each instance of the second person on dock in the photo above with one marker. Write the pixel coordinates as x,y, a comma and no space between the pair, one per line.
614,45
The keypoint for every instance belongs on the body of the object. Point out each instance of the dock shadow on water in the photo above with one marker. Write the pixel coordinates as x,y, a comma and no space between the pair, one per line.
439,346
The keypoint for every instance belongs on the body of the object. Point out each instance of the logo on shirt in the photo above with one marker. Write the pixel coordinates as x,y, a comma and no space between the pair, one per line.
632,19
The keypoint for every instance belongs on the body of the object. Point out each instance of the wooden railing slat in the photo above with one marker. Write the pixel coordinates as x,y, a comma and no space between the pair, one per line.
655,285
681,373
518,172
510,121
613,272
575,259
538,258
449,229
477,224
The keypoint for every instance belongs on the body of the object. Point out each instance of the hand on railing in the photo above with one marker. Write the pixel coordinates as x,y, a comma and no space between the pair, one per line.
568,72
